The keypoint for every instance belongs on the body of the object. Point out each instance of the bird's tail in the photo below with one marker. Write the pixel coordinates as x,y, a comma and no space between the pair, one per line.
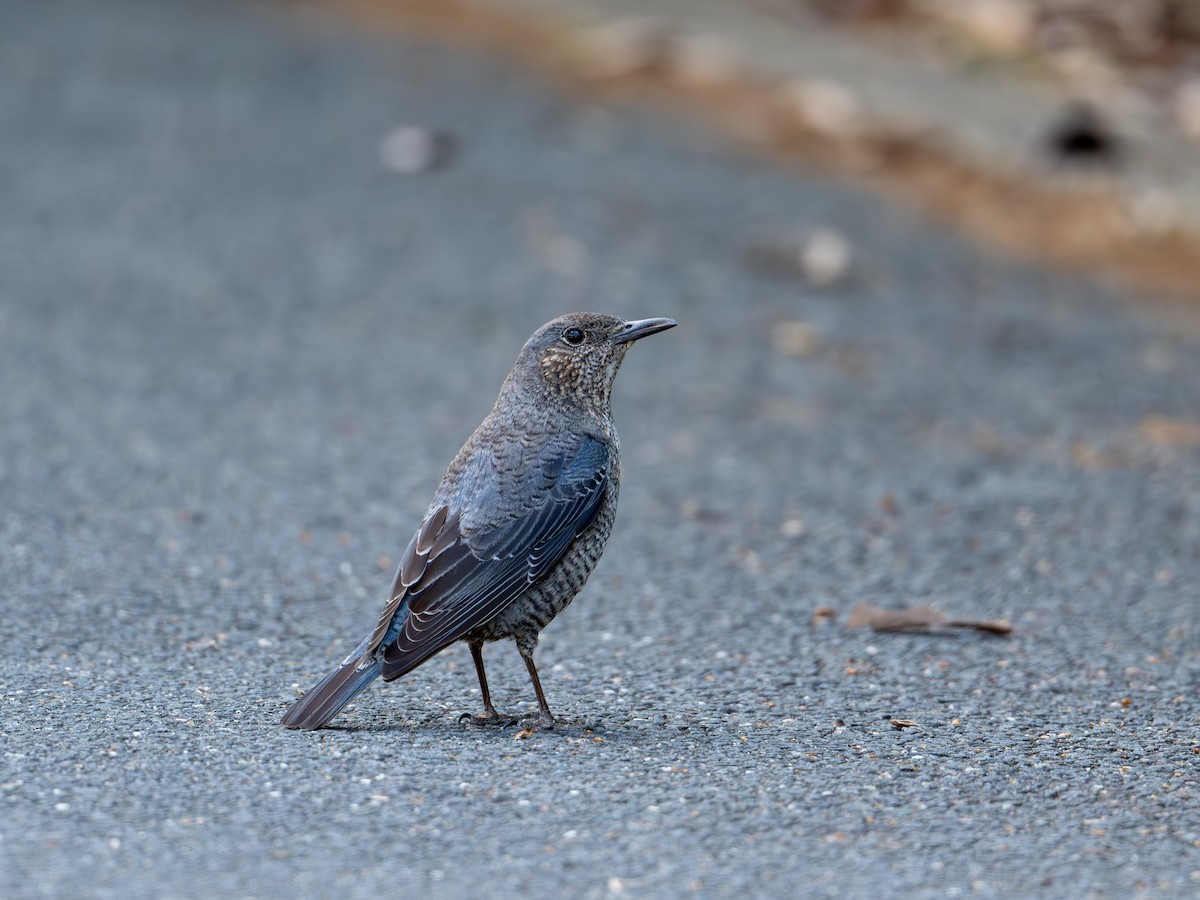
336,689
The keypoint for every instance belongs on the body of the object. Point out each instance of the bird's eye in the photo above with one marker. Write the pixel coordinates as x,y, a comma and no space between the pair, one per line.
573,336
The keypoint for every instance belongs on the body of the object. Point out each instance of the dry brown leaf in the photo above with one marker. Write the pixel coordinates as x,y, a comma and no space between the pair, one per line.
901,724
1164,431
1086,456
922,619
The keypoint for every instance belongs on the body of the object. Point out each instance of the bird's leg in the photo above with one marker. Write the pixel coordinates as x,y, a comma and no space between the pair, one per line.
477,655
490,716
546,718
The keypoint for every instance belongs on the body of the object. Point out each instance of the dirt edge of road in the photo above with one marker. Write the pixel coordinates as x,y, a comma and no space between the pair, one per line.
1082,224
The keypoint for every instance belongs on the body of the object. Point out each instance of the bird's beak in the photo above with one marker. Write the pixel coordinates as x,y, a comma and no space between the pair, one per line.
640,328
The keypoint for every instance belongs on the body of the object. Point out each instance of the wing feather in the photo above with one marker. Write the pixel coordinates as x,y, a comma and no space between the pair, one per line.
450,582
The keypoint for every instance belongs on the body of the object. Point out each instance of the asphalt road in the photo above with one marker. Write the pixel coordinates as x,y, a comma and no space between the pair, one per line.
236,352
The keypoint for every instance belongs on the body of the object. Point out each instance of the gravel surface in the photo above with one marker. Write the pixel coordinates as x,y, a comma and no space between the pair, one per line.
238,347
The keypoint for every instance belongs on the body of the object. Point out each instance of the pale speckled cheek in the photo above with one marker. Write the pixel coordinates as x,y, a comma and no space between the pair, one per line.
585,377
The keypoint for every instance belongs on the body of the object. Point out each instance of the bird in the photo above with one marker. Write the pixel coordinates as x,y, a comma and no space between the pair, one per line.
516,525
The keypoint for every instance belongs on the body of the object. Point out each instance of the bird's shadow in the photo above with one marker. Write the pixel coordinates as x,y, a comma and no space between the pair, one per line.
449,725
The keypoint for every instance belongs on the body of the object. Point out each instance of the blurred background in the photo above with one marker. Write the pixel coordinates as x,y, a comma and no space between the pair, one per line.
263,266
1149,46
1067,131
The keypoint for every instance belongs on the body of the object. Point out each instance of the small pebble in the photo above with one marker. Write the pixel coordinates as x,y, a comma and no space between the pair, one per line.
793,528
413,149
825,257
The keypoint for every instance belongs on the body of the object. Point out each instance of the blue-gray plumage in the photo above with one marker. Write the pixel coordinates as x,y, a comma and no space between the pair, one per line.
516,524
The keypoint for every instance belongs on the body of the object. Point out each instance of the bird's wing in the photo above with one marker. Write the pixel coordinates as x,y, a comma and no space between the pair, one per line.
452,579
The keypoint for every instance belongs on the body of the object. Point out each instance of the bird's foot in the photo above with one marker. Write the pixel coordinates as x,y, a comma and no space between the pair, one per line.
539,722
491,718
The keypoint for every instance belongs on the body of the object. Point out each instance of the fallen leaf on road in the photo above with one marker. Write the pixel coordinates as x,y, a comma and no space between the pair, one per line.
1167,432
901,724
920,619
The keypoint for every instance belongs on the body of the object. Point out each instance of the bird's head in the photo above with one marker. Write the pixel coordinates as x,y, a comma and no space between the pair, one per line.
576,356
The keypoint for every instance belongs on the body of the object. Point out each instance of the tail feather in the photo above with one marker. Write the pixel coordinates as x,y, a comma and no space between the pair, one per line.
326,700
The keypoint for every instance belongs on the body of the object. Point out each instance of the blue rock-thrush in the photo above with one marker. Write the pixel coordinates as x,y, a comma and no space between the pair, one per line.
516,524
